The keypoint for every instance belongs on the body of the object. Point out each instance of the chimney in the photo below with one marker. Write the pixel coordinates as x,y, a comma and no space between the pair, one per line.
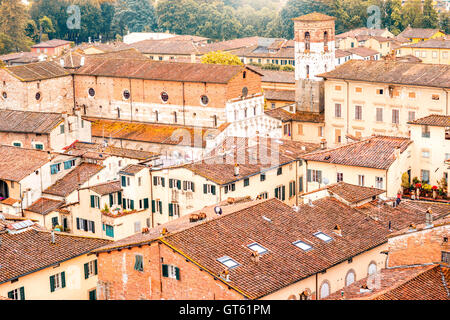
164,231
429,218
53,237
225,275
61,62
323,144
255,256
236,169
337,229
397,152
82,61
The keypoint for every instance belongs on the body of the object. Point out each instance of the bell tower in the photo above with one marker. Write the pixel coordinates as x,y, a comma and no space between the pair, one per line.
314,36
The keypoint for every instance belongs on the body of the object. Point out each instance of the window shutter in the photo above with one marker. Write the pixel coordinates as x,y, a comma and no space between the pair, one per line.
93,226
95,267
163,182
85,224
192,184
233,187
136,262
283,189
319,176
177,273
124,181
124,204
213,190
179,184
132,204
78,223
184,185
165,270
52,283
10,295
146,203
293,188
290,189
308,175
155,181
170,209
300,184
119,198
86,270
205,188
92,202
276,193
153,206
63,279
22,293
170,183
111,200
160,207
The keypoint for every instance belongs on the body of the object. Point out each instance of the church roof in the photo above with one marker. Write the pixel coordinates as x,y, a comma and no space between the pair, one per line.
314,16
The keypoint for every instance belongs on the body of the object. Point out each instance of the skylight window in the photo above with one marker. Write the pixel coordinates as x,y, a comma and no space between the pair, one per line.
302,245
257,247
322,236
228,262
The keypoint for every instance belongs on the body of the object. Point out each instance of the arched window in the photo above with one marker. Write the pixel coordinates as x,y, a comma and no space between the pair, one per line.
350,277
324,289
307,41
325,41
307,71
372,268
4,191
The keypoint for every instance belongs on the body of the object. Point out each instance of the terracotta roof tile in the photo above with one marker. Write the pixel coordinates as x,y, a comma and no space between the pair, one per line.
71,181
353,193
9,201
440,43
299,116
166,46
363,51
132,169
29,122
418,33
361,32
106,188
17,163
275,76
314,16
282,95
51,43
37,71
375,152
29,251
44,206
80,148
418,74
436,120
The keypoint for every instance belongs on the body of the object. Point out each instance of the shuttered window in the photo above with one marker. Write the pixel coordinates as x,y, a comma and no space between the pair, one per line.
139,263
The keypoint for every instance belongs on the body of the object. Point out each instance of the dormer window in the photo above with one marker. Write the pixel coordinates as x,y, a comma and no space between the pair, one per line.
228,262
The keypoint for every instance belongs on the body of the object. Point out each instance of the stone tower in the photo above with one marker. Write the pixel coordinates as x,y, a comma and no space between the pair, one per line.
314,36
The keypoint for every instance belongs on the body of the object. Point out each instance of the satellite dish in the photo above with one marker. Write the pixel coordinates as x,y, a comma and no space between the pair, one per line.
218,210
326,181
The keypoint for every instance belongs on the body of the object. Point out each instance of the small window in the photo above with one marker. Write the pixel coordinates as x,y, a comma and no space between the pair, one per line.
38,96
228,262
257,247
4,95
302,245
204,100
17,144
279,171
91,92
262,177
39,146
412,95
126,94
244,91
164,96
246,182
139,263
380,91
322,236
244,74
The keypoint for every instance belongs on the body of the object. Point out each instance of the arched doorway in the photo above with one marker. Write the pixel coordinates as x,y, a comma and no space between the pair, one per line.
4,192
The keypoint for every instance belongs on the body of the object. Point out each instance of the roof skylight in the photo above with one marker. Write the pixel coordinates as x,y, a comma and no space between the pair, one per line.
257,247
228,262
322,236
302,245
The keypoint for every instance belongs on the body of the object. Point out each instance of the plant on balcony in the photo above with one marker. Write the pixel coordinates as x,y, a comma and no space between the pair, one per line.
416,180
405,183
434,188
105,209
443,187
426,189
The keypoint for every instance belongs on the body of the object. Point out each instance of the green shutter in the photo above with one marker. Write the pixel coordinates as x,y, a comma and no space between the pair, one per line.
170,183
213,189
132,204
10,295
276,193
177,273
193,187
155,181
300,184
93,295
163,182
308,175
92,201
119,198
179,184
290,189
233,187
63,279
205,189
146,203
138,264
160,207
52,283
111,200
124,181
86,270
22,293
283,189
170,209
124,204
153,206
95,267
165,270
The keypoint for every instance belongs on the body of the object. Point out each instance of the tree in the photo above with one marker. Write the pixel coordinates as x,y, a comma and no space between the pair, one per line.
45,26
430,15
220,57
412,14
13,21
444,19
135,15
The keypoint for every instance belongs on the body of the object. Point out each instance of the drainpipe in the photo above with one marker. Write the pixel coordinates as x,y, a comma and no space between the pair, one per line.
151,198
184,117
131,101
306,184
317,285
297,181
348,107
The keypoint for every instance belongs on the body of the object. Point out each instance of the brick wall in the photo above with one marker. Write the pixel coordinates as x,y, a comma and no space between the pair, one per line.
27,139
418,247
116,272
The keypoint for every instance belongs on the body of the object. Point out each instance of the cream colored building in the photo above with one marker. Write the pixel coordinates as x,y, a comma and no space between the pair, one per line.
434,51
376,162
379,97
57,267
431,136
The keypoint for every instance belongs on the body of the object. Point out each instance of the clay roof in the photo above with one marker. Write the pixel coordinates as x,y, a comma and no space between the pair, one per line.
353,193
263,52
29,122
45,206
17,163
252,156
80,148
407,283
31,250
37,71
51,43
299,116
229,44
314,16
435,120
70,182
421,33
146,132
276,226
186,37
363,51
361,32
275,76
341,53
159,70
439,43
166,46
282,95
132,169
105,47
106,188
20,57
72,59
9,201
407,73
408,58
376,152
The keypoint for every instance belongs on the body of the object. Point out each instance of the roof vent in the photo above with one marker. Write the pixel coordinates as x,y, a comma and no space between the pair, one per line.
429,218
267,219
323,144
53,237
255,256
337,229
236,169
225,275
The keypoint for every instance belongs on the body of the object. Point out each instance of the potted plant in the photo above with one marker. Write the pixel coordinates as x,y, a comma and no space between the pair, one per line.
418,186
405,183
427,190
434,188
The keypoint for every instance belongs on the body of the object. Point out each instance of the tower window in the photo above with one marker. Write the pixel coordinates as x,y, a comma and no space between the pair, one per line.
307,41
325,41
307,71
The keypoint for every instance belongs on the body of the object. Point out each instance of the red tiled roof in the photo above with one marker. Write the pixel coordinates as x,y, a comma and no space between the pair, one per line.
299,116
166,46
30,251
275,76
314,16
280,95
51,43
363,51
80,148
435,120
29,122
132,169
106,188
375,152
9,201
353,193
37,71
70,182
45,206
418,33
